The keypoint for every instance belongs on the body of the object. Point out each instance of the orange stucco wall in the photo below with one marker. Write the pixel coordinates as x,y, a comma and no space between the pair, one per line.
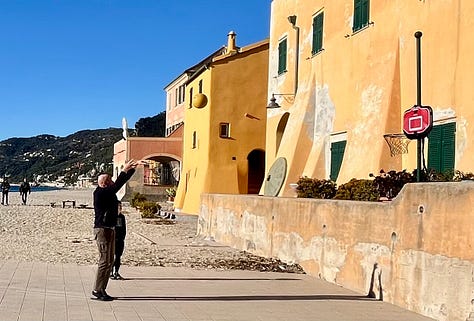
235,87
361,83
144,147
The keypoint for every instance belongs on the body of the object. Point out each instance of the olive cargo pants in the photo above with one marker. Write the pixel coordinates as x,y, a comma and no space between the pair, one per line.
106,244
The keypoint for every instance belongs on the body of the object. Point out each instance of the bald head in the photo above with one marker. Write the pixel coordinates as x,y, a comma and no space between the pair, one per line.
104,180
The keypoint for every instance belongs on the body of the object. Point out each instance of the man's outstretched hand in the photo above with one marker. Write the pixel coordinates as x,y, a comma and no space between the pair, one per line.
131,164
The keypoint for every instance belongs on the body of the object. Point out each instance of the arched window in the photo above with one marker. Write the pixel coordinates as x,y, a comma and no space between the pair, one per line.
280,130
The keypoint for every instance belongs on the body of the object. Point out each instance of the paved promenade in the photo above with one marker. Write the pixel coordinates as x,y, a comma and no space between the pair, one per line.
41,291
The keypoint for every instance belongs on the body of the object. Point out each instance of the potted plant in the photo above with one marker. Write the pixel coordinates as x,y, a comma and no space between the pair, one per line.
171,192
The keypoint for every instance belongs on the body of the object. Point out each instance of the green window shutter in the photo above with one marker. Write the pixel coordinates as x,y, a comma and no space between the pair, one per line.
357,9
337,154
434,149
361,14
364,15
282,48
441,148
317,33
448,147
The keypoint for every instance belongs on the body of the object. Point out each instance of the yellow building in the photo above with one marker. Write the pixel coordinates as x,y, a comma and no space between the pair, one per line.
348,71
224,126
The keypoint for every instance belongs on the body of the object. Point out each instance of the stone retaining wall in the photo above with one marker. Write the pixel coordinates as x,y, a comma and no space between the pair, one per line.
415,251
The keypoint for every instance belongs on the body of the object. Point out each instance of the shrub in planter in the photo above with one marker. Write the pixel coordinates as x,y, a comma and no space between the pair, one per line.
435,176
461,176
358,190
137,199
171,192
389,184
149,209
315,188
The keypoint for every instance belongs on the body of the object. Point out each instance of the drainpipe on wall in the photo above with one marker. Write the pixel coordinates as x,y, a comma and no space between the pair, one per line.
292,20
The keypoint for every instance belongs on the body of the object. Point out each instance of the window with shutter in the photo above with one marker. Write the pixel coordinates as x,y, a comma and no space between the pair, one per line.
194,140
361,14
441,148
224,130
282,48
190,97
318,33
337,154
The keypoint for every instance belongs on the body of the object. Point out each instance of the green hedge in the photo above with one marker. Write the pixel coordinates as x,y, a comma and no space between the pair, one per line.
315,188
358,190
386,184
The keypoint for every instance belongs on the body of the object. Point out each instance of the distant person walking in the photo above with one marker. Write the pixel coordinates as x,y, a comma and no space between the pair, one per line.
106,212
5,187
25,190
120,233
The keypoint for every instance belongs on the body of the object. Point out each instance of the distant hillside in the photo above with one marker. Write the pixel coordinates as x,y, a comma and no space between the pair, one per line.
47,158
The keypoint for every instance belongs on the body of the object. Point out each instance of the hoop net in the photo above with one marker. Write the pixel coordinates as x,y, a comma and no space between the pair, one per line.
398,143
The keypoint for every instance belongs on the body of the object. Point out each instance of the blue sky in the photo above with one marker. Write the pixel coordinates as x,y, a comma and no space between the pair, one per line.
69,65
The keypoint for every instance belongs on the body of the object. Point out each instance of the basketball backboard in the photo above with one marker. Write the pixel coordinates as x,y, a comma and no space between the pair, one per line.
417,122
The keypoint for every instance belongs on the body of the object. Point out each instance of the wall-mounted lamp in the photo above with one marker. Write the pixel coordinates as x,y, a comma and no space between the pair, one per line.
292,20
273,103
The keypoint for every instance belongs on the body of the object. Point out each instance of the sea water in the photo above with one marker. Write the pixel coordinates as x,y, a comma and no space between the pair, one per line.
41,188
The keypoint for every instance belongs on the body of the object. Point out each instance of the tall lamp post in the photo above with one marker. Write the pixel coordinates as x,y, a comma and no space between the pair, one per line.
418,35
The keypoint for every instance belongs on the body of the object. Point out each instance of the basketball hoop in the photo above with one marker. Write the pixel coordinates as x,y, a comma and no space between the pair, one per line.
398,143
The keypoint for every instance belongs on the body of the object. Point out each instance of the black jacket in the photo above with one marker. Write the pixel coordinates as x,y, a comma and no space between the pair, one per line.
25,188
106,202
5,186
120,228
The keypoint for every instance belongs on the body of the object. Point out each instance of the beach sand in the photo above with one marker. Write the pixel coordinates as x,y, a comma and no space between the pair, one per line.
39,232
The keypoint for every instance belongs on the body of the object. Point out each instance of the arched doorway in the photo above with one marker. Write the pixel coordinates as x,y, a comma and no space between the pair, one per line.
256,170
161,170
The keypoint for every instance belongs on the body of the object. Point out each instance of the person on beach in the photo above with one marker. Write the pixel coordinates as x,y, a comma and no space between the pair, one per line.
5,187
25,189
106,212
120,233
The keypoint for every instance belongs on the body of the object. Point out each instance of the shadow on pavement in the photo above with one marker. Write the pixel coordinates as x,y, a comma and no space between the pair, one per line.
209,279
249,298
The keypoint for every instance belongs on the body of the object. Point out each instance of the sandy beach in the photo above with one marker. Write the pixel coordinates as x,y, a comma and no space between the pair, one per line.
39,232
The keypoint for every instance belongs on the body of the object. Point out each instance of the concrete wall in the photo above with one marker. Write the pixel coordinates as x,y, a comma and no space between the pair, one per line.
422,242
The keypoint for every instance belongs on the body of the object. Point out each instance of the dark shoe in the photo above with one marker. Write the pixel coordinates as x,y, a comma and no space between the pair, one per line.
101,296
107,297
96,294
118,277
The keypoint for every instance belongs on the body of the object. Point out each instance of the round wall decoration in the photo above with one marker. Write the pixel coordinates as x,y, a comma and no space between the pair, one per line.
199,100
275,177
